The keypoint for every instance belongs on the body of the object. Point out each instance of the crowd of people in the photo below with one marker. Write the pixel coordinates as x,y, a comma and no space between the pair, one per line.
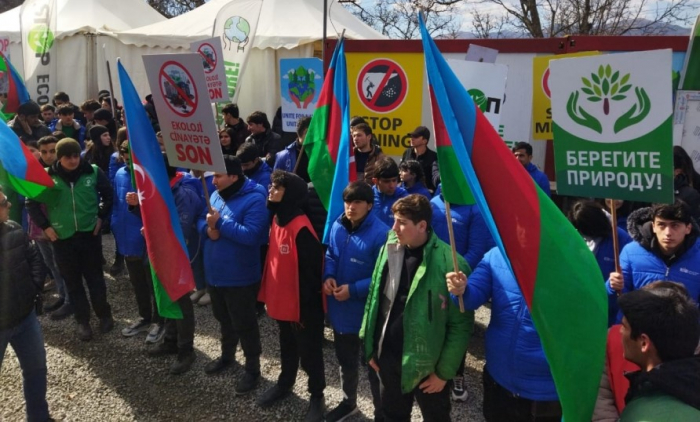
384,281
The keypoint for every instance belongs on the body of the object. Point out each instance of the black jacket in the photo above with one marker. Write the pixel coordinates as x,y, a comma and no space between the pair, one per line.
20,275
269,144
687,194
678,378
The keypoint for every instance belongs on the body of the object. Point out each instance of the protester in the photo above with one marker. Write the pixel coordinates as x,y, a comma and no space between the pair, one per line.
689,167
268,142
61,98
622,210
367,154
253,166
100,150
420,152
88,108
414,338
48,114
413,178
65,123
291,289
233,230
226,138
595,227
523,152
517,381
232,120
20,283
660,331
665,247
354,243
287,158
104,118
73,221
386,189
683,172
26,123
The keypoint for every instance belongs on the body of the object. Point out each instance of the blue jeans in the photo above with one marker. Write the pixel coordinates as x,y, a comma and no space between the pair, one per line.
46,249
28,344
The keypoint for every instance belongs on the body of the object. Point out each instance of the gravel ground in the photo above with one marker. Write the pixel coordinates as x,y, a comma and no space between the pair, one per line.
112,379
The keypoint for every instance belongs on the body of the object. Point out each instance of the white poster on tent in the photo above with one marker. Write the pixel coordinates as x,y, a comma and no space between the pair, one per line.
214,72
38,27
184,111
486,83
686,124
236,24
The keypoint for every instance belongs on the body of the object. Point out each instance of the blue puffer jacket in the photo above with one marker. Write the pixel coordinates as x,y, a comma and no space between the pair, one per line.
604,254
514,354
419,188
126,225
190,203
383,203
472,237
287,158
234,259
114,166
642,264
262,175
540,178
350,259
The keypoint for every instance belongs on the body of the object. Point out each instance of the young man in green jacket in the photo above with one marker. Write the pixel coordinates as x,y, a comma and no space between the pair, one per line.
414,337
76,206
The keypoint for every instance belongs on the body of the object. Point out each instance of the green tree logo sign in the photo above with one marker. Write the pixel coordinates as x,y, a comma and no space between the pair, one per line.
607,87
479,98
40,39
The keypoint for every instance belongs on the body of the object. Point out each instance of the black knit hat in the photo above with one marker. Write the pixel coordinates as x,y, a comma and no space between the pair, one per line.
30,108
233,165
97,131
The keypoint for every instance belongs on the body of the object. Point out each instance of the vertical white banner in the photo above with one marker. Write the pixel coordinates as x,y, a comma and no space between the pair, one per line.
236,23
38,26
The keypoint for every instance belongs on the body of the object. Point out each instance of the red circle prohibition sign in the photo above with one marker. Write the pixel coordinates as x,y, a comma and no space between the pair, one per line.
180,95
210,61
382,85
545,84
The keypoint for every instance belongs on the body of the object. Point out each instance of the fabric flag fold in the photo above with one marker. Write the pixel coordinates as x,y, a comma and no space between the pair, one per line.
16,90
161,224
327,142
19,167
557,274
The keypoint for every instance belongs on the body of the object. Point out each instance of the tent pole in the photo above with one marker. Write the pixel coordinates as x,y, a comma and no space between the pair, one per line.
325,27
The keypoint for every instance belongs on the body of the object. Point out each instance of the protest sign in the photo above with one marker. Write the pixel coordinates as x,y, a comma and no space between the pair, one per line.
300,85
214,71
486,83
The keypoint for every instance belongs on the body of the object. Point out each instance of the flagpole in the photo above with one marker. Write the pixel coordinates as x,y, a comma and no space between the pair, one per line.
206,191
451,232
616,242
111,86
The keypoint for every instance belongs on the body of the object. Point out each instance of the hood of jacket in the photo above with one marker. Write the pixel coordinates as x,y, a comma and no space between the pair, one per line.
70,176
678,378
639,226
294,201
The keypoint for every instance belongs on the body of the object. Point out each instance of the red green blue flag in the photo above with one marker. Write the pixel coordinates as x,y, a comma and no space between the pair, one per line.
165,242
557,274
19,167
327,142
16,91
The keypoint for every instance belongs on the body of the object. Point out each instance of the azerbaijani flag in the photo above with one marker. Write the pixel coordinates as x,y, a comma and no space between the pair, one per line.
16,91
19,166
327,142
557,274
161,224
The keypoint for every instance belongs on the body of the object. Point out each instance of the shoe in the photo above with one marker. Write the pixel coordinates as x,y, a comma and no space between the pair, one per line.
272,396
194,297
205,300
84,332
63,312
164,348
55,305
49,285
247,383
155,333
317,407
117,267
138,327
341,412
458,391
106,325
217,365
183,363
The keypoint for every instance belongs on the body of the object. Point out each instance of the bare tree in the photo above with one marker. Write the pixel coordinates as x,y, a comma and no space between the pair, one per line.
488,25
555,18
170,8
6,5
399,18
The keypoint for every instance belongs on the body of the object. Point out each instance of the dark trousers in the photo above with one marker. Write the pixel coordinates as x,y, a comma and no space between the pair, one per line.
78,257
235,309
347,350
302,343
142,282
181,331
397,406
500,405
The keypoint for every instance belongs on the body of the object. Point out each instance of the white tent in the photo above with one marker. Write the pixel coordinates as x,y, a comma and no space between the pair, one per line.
81,25
286,29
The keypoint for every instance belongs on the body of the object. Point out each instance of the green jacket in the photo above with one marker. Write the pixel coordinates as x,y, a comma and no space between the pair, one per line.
659,408
75,202
436,334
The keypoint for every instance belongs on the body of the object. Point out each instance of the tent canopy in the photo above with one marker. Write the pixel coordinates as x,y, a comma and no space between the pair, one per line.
283,24
91,16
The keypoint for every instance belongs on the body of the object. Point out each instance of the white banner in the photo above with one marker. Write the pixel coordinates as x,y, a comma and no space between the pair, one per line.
180,95
235,24
214,72
486,83
38,25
